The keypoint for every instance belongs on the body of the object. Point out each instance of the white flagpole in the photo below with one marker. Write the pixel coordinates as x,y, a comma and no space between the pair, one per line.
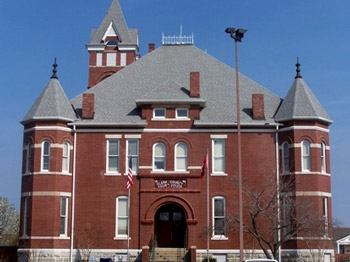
208,231
128,224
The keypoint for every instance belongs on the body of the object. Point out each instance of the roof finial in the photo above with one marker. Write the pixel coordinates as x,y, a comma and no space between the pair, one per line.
54,71
298,69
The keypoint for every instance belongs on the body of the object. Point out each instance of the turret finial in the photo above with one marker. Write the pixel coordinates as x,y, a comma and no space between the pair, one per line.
54,71
298,69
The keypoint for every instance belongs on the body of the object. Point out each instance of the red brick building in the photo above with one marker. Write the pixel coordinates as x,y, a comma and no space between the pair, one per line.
163,112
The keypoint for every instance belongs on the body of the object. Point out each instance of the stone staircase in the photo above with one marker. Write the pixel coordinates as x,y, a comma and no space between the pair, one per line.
169,254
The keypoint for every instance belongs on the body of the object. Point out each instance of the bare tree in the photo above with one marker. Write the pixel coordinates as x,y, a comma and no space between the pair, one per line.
9,222
262,201
87,237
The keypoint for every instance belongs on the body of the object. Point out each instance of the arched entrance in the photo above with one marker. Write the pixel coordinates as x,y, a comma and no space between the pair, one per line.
170,226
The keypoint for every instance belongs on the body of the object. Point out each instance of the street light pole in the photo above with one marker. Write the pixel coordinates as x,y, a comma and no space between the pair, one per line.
237,35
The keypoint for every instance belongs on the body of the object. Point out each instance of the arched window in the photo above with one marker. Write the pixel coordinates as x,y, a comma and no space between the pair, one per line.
181,157
305,156
65,157
45,156
323,157
29,157
285,157
219,216
159,157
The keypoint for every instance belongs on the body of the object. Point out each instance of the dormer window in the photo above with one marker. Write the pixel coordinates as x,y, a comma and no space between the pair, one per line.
111,43
159,113
181,113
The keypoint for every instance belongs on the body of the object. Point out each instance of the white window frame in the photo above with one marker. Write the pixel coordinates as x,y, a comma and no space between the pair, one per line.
181,117
305,156
26,216
65,157
181,157
154,157
108,156
111,59
29,158
134,156
43,156
325,214
98,59
64,215
122,59
220,156
285,157
323,158
159,117
117,217
220,217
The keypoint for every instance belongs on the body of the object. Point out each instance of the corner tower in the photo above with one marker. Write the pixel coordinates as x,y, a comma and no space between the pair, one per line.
112,47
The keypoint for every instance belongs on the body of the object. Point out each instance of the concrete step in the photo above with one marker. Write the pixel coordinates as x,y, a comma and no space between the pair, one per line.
169,254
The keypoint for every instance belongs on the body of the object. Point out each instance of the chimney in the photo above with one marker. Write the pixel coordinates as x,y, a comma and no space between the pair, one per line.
194,84
88,106
258,106
150,47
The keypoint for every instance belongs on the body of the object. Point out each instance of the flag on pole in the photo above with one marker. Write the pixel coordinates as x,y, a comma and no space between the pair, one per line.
129,182
205,165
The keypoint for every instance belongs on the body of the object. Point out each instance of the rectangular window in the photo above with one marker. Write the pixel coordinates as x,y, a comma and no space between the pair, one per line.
64,216
219,156
111,59
26,216
159,113
286,209
112,156
99,59
285,156
133,153
30,158
123,59
65,157
219,216
45,156
325,215
306,162
122,217
323,158
181,113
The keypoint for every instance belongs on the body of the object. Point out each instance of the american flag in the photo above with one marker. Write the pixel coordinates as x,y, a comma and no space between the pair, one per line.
129,182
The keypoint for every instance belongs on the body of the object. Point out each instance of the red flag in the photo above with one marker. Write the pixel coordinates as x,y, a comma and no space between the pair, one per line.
205,165
129,182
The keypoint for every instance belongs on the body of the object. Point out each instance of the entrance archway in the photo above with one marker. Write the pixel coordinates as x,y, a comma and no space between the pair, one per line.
170,226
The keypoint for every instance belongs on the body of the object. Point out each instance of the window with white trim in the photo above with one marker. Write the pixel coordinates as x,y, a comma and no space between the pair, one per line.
219,216
181,157
45,156
65,157
325,214
99,59
219,156
285,157
111,59
122,216
29,167
323,157
181,113
64,216
123,59
112,156
159,157
159,113
305,156
133,153
26,216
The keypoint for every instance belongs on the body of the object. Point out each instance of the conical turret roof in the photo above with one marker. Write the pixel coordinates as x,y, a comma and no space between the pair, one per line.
52,104
301,104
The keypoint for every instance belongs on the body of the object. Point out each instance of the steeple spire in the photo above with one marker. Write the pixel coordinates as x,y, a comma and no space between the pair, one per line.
298,69
54,70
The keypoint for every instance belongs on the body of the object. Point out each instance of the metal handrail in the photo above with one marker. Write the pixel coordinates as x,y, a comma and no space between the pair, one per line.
153,249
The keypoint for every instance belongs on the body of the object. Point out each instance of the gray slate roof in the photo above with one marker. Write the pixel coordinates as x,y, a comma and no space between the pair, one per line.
52,104
116,16
300,103
164,74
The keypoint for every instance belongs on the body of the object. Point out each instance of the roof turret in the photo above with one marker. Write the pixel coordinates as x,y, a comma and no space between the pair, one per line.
52,103
300,103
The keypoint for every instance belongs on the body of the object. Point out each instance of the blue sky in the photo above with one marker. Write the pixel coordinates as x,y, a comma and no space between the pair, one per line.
34,32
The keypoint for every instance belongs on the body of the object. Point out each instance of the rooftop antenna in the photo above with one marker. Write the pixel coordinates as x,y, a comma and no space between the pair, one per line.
180,29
